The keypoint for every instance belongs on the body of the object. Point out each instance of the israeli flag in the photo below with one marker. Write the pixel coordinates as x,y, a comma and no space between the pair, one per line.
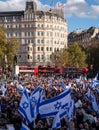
94,103
51,82
41,99
25,108
50,107
19,87
63,85
42,95
3,89
94,83
24,127
34,97
71,110
56,122
96,77
88,94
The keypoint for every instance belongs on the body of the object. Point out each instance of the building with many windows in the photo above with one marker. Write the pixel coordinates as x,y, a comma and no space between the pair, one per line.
86,37
41,33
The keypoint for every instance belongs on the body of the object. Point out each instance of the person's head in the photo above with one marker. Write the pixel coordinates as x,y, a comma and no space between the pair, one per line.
39,124
86,126
81,126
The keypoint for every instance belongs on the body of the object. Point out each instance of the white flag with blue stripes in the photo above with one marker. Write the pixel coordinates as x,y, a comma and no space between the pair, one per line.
94,103
51,82
24,127
71,112
56,122
63,85
25,108
96,77
50,107
35,96
42,95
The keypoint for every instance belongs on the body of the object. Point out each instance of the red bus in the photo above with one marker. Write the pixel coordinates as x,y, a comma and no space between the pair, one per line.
47,69
28,69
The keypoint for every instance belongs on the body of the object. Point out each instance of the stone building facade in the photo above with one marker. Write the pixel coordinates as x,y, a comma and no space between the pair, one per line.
86,37
40,33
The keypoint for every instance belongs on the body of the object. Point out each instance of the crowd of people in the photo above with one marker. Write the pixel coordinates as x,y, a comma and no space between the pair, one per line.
85,118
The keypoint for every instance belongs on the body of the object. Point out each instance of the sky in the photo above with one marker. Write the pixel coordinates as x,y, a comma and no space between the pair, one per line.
79,14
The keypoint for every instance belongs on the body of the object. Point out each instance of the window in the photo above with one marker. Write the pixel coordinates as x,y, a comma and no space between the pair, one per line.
42,48
42,57
47,48
38,40
42,33
38,25
32,33
50,48
38,48
42,41
19,25
38,57
28,48
28,56
38,33
16,34
25,33
28,40
42,25
19,34
28,33
7,26
47,41
32,41
25,41
50,33
47,33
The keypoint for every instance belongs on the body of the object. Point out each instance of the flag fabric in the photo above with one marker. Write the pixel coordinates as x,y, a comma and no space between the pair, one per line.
24,127
41,99
42,95
20,88
25,108
3,90
94,83
34,97
78,103
96,77
50,107
94,102
60,5
71,112
88,94
78,80
56,122
63,85
51,82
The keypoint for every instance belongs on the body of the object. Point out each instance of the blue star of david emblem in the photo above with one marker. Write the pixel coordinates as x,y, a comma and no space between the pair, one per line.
57,105
65,106
33,100
25,105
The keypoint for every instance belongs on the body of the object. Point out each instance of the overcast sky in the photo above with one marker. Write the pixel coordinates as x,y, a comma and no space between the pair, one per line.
80,14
